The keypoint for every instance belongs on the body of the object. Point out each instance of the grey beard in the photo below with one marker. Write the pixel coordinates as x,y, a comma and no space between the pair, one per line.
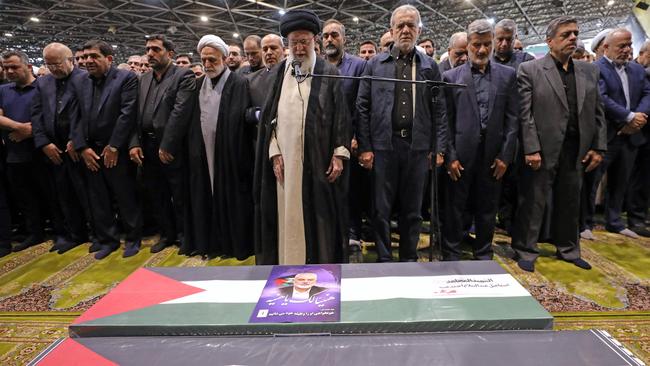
332,51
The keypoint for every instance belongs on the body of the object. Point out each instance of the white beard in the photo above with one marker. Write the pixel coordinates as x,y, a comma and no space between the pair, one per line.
218,70
308,62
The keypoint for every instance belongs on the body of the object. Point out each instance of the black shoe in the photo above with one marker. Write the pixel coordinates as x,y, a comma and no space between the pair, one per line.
29,242
105,251
131,249
641,231
95,246
160,246
580,263
528,266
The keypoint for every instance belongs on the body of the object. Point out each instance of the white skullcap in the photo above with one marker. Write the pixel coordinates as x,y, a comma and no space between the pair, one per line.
599,38
214,42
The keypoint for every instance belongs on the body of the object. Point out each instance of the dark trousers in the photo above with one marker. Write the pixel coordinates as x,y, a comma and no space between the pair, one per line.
509,192
32,188
72,198
5,213
562,181
619,164
638,193
475,196
164,184
117,185
399,175
358,197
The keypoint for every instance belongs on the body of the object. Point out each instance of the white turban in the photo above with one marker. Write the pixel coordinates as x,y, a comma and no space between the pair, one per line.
214,42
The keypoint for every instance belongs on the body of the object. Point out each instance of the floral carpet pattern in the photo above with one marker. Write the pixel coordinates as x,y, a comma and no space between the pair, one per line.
42,292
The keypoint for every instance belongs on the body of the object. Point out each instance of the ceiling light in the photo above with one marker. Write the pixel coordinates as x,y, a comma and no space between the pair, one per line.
8,35
204,18
610,3
114,46
491,20
34,19
282,11
355,19
235,35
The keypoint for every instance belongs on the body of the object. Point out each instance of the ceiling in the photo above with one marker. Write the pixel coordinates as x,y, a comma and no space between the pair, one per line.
124,23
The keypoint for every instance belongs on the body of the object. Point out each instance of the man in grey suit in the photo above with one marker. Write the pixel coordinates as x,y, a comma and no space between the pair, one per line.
165,104
483,125
563,135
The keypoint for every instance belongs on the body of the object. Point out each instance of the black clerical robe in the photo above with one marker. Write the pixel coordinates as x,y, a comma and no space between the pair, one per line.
324,204
219,220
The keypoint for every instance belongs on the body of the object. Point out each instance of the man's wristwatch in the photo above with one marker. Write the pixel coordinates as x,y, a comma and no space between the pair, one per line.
112,148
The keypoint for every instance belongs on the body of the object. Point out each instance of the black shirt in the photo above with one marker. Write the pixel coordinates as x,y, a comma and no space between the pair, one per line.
98,89
569,80
61,117
482,88
403,105
150,101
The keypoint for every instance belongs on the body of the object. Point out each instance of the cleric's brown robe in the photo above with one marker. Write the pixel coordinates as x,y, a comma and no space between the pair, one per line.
326,127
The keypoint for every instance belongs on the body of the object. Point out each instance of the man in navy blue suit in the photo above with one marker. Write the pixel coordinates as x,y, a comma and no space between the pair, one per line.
108,100
625,92
482,138
349,65
53,110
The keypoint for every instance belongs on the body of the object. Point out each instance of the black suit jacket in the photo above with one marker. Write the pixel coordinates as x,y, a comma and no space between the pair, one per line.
172,108
113,122
44,108
464,118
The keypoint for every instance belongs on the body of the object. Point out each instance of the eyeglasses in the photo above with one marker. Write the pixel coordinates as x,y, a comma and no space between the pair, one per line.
56,65
303,42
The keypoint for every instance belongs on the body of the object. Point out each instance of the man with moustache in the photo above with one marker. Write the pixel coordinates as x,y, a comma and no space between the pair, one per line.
457,52
563,135
157,144
429,47
219,210
108,111
144,64
24,165
262,80
183,60
505,33
625,92
234,59
253,53
302,150
349,65
401,132
53,112
483,121
79,60
135,64
367,50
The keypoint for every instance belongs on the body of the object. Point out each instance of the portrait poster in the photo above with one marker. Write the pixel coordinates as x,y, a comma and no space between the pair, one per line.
300,294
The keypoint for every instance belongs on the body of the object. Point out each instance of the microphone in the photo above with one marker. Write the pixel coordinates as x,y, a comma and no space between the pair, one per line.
296,70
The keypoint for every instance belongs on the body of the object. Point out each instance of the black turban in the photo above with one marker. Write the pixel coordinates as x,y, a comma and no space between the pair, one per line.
299,19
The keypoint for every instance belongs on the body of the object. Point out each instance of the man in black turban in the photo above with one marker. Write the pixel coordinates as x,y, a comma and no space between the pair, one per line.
302,150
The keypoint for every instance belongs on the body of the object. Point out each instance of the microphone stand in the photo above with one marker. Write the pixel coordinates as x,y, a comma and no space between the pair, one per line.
434,239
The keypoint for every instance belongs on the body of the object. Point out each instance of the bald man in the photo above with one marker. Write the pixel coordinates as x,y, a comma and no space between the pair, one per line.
385,42
54,110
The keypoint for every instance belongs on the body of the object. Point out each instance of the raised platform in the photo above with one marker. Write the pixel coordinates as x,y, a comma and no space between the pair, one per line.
568,348
374,298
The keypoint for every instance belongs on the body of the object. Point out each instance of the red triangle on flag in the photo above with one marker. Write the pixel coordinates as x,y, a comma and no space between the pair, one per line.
71,353
141,289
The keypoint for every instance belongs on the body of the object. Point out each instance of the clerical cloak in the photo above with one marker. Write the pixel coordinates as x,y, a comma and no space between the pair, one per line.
219,213
324,204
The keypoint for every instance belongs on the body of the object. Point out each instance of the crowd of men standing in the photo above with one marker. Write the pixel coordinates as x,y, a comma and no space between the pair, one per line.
263,150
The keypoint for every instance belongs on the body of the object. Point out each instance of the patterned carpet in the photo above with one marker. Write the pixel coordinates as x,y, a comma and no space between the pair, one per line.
43,292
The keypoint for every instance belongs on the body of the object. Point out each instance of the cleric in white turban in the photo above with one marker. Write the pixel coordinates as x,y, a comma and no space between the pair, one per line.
221,158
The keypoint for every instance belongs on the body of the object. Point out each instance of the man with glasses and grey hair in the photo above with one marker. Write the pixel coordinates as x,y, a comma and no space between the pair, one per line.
457,52
401,132
483,122
303,147
563,136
